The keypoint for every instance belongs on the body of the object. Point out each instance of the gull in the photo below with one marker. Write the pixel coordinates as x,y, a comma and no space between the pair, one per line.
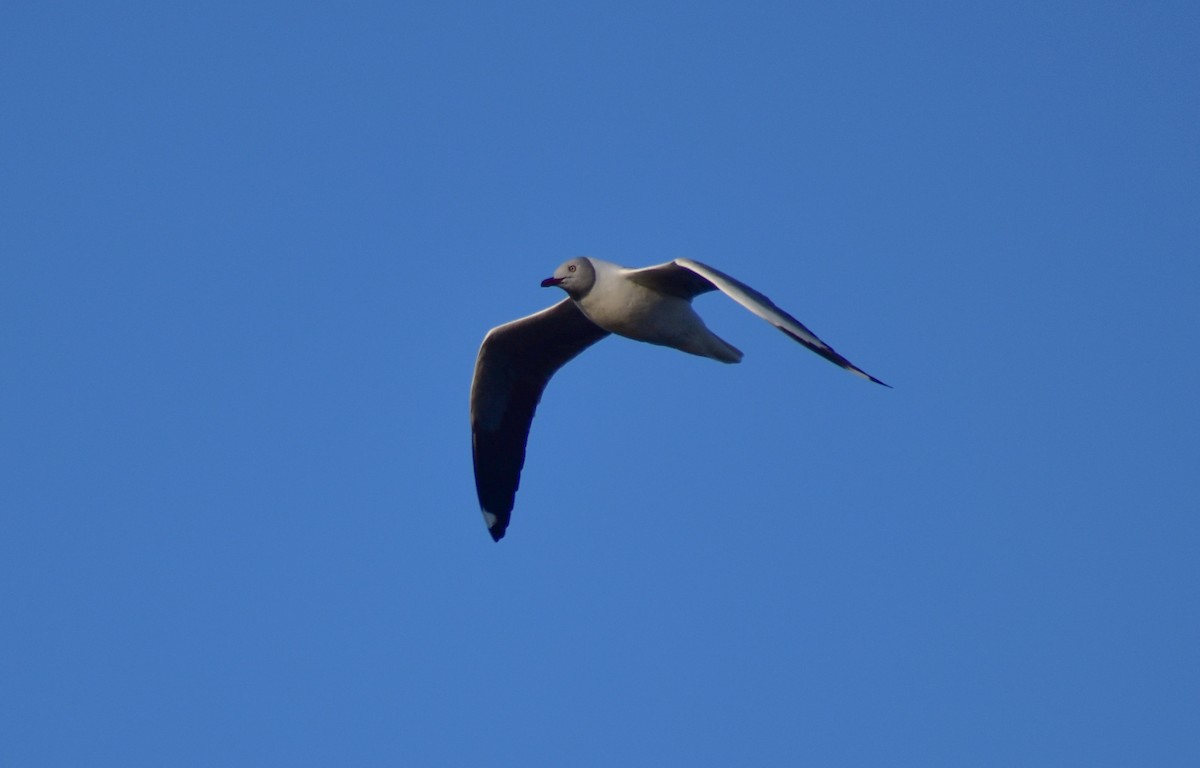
651,304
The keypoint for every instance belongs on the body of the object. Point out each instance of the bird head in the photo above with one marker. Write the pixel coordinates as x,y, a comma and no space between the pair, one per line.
575,277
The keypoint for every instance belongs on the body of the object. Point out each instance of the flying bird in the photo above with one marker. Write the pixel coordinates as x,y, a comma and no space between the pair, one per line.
652,304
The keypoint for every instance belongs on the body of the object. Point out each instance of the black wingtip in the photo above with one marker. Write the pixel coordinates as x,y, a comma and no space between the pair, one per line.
499,524
833,357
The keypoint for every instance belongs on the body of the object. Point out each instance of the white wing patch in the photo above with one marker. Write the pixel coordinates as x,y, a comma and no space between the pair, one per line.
766,309
753,301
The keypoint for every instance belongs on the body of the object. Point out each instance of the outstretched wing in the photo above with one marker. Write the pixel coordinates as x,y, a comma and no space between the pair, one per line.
688,278
515,362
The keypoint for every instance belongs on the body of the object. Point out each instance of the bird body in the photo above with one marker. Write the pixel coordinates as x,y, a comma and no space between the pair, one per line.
651,304
620,304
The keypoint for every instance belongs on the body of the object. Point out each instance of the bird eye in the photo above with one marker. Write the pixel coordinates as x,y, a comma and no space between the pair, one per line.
571,268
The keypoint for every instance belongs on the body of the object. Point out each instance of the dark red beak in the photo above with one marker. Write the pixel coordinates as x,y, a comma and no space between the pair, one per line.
549,281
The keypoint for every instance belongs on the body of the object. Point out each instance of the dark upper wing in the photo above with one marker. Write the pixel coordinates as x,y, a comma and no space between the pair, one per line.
764,308
671,279
515,362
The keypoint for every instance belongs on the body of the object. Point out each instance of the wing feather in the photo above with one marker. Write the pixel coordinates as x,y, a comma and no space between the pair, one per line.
767,310
516,361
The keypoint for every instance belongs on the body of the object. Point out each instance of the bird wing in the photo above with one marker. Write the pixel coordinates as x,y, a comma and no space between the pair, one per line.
516,361
671,278
688,278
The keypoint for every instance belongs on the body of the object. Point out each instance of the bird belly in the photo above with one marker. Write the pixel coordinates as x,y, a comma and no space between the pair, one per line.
668,321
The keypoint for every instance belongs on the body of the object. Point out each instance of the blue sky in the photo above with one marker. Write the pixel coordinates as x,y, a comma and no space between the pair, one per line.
250,253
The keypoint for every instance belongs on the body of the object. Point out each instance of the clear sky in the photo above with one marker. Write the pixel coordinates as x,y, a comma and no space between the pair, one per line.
249,254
